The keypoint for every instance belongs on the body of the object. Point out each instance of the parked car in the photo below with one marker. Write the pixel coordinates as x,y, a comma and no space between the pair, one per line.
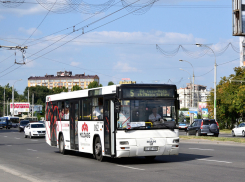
34,130
203,127
23,124
239,130
183,126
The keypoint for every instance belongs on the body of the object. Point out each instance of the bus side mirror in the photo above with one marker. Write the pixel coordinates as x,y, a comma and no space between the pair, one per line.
117,107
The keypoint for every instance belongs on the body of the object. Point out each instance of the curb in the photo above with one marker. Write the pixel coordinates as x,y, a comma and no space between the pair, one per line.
203,141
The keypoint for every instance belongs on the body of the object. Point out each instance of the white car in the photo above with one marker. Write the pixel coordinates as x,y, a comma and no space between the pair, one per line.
34,130
239,130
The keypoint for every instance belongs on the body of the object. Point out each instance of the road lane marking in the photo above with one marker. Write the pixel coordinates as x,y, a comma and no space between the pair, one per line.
130,167
200,149
32,150
214,161
17,138
34,140
5,136
9,145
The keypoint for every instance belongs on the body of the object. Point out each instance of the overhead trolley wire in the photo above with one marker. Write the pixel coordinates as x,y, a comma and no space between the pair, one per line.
76,38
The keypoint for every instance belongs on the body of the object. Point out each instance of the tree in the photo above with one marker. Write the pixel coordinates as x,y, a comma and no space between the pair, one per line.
94,84
57,90
181,117
76,87
230,99
110,83
184,109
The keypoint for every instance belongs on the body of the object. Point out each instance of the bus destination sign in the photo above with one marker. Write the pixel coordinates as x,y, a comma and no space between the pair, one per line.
147,92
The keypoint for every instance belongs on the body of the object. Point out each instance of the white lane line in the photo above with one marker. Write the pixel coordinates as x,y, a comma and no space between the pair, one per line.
32,150
5,136
214,161
17,138
200,149
34,140
130,167
9,145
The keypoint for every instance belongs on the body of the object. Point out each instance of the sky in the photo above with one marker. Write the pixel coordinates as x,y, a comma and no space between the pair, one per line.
115,39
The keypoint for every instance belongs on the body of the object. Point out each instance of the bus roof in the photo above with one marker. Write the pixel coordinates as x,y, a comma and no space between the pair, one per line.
104,91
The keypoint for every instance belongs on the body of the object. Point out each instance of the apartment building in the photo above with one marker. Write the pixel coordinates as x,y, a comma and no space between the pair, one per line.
185,95
62,79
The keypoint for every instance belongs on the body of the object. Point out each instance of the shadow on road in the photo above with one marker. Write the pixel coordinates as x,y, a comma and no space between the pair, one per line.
182,157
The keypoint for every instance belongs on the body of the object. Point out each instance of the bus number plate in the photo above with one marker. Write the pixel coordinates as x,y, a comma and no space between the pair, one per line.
153,148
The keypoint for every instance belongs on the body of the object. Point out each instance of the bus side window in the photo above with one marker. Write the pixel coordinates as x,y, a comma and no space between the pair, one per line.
86,109
61,107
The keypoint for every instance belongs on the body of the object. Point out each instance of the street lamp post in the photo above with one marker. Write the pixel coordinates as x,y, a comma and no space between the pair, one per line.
215,76
13,96
193,82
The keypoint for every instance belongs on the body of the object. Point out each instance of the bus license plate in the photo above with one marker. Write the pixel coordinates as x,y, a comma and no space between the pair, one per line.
153,148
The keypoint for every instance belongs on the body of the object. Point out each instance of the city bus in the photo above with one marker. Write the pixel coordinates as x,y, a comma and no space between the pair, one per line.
126,120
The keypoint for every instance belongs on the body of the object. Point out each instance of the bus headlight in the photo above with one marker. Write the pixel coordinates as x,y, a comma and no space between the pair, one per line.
124,143
176,141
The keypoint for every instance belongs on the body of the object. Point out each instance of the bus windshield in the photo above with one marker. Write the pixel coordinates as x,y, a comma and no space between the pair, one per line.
145,114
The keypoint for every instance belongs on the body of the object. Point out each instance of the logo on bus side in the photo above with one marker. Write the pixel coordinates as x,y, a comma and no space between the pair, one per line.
85,133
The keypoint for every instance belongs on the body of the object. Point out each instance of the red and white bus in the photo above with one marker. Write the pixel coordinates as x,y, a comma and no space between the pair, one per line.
116,121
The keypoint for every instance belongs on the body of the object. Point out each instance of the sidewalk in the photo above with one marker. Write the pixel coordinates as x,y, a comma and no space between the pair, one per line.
204,141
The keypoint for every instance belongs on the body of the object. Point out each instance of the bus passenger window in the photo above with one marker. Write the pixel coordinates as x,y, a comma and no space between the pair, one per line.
97,110
86,109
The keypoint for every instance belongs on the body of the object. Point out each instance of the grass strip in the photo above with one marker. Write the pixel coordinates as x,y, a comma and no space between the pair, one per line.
222,139
226,131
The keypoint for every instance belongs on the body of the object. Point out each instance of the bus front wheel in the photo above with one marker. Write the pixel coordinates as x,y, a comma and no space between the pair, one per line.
98,149
62,145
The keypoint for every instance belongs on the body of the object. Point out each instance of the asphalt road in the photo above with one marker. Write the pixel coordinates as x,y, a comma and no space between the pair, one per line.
33,160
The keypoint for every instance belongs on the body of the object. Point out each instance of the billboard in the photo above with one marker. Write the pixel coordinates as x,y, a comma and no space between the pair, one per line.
204,113
238,17
188,113
201,105
19,107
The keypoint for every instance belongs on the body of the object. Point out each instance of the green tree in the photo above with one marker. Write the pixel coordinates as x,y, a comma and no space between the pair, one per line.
76,87
57,90
181,117
230,99
110,83
184,109
94,84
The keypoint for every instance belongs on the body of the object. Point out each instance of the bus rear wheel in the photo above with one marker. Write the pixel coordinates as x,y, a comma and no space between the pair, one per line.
62,145
98,149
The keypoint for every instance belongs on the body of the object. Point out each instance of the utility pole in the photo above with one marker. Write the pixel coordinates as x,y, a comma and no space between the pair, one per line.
32,105
28,94
4,102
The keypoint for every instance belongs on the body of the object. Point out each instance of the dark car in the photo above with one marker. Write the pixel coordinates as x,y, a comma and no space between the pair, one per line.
203,127
23,124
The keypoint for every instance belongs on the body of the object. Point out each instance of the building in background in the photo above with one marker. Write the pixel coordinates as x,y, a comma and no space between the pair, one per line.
200,95
63,79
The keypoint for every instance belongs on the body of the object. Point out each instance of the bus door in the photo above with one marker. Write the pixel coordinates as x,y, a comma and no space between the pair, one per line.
53,112
74,125
109,135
